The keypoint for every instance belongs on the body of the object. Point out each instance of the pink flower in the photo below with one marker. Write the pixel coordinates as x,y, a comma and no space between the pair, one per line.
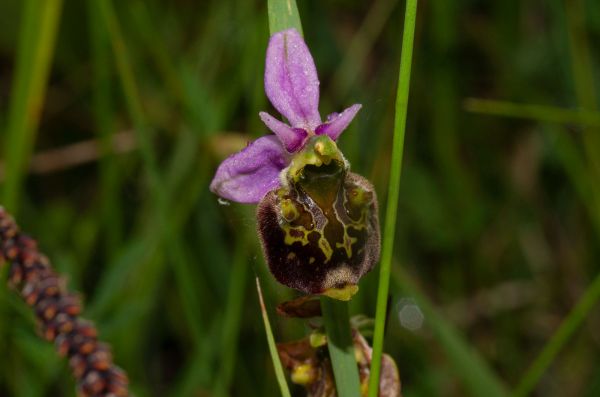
292,86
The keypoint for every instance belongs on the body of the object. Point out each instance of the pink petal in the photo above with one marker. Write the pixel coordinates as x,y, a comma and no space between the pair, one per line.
292,138
291,81
248,175
337,122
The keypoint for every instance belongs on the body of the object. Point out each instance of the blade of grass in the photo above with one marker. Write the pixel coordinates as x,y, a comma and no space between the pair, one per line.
231,322
394,192
283,387
36,48
466,363
340,346
542,113
283,14
583,79
566,330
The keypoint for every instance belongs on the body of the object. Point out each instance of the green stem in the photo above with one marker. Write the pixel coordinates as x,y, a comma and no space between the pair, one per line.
394,192
283,14
341,348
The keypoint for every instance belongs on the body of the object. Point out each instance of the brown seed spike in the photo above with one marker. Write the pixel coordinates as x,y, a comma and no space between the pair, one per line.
57,313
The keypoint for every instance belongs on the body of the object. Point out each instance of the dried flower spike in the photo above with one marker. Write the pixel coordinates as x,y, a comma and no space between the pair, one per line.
58,311
317,221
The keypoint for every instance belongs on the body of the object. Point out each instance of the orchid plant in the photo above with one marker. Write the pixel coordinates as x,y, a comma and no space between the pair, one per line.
317,221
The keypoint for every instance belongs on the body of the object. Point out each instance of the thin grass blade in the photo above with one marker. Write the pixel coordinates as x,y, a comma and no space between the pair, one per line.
542,113
36,49
394,192
283,386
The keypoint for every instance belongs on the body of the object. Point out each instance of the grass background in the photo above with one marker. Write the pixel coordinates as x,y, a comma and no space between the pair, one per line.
499,217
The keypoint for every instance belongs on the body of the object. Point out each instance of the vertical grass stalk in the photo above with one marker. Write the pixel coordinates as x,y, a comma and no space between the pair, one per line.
36,47
394,192
285,392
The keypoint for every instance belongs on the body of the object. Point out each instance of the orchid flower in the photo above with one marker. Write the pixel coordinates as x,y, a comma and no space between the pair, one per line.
317,221
292,86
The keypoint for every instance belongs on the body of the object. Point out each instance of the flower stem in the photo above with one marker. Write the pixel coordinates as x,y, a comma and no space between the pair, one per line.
341,348
394,192
283,14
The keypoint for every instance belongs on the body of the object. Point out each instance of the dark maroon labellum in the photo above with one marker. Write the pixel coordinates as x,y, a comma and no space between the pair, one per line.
320,231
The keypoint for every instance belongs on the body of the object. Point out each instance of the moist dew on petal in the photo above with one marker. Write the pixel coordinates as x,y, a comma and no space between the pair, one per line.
291,81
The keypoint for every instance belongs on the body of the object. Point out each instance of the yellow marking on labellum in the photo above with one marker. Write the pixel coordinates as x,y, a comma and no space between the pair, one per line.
294,234
347,244
325,248
289,210
342,294
311,260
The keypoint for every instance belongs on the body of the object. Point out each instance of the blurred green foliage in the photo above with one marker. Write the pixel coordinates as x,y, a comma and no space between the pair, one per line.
499,217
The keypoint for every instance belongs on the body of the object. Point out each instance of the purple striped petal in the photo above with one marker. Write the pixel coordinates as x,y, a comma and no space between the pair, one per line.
337,122
291,81
248,175
292,138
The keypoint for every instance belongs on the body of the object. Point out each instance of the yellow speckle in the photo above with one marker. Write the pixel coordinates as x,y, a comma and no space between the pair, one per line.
319,147
317,339
347,244
342,294
303,374
291,256
359,356
289,210
325,248
289,239
311,260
